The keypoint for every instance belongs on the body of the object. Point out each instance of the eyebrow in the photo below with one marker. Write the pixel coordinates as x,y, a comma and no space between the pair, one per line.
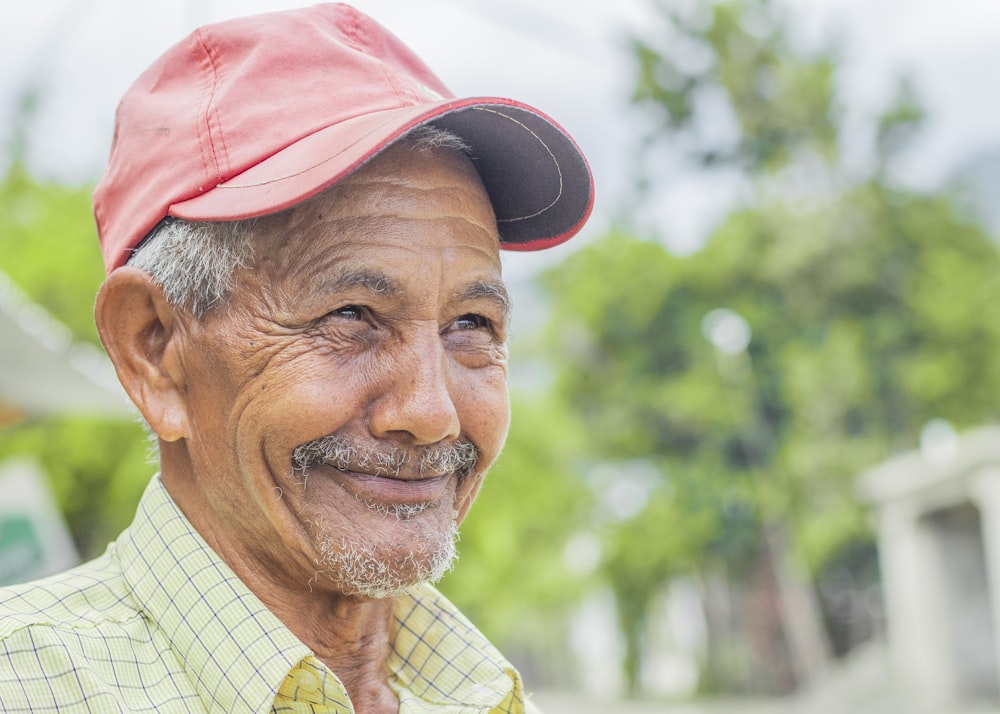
375,281
494,292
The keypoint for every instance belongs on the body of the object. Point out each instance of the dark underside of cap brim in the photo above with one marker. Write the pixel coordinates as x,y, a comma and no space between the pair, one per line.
536,177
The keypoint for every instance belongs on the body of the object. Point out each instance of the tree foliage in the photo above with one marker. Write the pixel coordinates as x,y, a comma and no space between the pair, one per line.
870,317
735,59
96,468
869,306
48,246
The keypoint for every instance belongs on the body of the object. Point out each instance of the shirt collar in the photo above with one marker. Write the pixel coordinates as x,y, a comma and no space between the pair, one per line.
439,658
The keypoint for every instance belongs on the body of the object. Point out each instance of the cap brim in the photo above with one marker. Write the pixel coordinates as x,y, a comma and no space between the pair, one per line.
537,178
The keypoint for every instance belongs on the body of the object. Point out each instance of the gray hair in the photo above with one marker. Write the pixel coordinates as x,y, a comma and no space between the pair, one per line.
194,262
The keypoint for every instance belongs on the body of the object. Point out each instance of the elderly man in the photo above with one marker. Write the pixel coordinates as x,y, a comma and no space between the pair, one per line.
301,228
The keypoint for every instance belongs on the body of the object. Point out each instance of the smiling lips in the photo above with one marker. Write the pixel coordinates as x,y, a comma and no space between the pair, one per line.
384,489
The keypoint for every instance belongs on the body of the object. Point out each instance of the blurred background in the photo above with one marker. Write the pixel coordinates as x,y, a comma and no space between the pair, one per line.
754,462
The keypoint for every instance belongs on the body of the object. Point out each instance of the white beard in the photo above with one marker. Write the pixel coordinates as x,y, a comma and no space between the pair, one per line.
359,569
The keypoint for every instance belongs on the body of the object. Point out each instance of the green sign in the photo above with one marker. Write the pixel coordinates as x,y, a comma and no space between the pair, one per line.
20,548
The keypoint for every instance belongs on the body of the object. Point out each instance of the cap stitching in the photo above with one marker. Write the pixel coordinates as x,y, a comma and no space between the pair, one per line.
551,155
351,28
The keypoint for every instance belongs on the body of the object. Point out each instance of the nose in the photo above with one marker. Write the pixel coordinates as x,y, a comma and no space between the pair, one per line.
416,404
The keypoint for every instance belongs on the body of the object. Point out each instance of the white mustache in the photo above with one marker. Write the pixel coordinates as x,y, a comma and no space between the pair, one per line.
342,453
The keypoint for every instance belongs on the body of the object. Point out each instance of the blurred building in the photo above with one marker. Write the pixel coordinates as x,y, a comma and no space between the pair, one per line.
43,372
938,519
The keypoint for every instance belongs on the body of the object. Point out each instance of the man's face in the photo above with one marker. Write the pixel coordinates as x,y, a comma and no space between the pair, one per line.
343,409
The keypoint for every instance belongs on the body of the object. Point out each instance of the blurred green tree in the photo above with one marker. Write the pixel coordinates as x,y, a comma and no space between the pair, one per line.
869,306
48,246
97,468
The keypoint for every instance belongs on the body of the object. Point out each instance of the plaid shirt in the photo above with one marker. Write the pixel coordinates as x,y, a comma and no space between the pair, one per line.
160,623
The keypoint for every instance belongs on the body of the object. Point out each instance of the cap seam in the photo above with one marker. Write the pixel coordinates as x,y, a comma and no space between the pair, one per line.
351,28
216,169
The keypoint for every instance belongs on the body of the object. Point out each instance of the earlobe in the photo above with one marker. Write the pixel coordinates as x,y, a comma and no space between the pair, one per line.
141,330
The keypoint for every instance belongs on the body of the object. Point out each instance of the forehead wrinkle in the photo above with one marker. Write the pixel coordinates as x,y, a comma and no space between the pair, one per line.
365,181
395,196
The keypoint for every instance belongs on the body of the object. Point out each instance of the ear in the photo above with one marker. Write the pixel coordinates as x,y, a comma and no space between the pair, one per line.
141,330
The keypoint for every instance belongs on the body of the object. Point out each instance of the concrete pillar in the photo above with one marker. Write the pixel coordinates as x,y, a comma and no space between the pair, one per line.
939,539
913,599
985,490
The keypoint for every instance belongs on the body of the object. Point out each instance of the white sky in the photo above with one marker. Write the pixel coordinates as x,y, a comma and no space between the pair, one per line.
564,56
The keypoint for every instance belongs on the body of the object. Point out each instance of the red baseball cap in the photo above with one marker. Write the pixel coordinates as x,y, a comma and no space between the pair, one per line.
251,116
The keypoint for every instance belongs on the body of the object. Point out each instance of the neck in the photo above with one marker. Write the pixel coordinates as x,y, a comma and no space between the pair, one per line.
350,636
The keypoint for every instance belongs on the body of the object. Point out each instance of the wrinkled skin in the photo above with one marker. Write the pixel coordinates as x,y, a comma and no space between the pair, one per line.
374,311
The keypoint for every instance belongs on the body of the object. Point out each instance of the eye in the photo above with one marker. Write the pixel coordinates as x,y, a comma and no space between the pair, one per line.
472,322
349,312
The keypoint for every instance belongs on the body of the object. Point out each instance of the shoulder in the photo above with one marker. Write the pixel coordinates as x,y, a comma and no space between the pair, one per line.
89,595
78,639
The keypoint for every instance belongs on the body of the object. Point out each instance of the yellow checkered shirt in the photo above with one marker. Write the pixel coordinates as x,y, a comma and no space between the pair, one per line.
160,624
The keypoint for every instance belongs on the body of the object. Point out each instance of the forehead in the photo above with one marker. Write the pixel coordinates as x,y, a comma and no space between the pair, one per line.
401,204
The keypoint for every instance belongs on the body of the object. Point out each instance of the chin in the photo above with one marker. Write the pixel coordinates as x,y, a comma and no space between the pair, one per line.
357,567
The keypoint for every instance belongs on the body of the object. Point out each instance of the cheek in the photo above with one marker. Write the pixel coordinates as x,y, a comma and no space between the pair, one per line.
484,412
305,400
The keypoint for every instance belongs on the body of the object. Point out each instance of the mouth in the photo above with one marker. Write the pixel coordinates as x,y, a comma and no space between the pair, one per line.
387,479
374,489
